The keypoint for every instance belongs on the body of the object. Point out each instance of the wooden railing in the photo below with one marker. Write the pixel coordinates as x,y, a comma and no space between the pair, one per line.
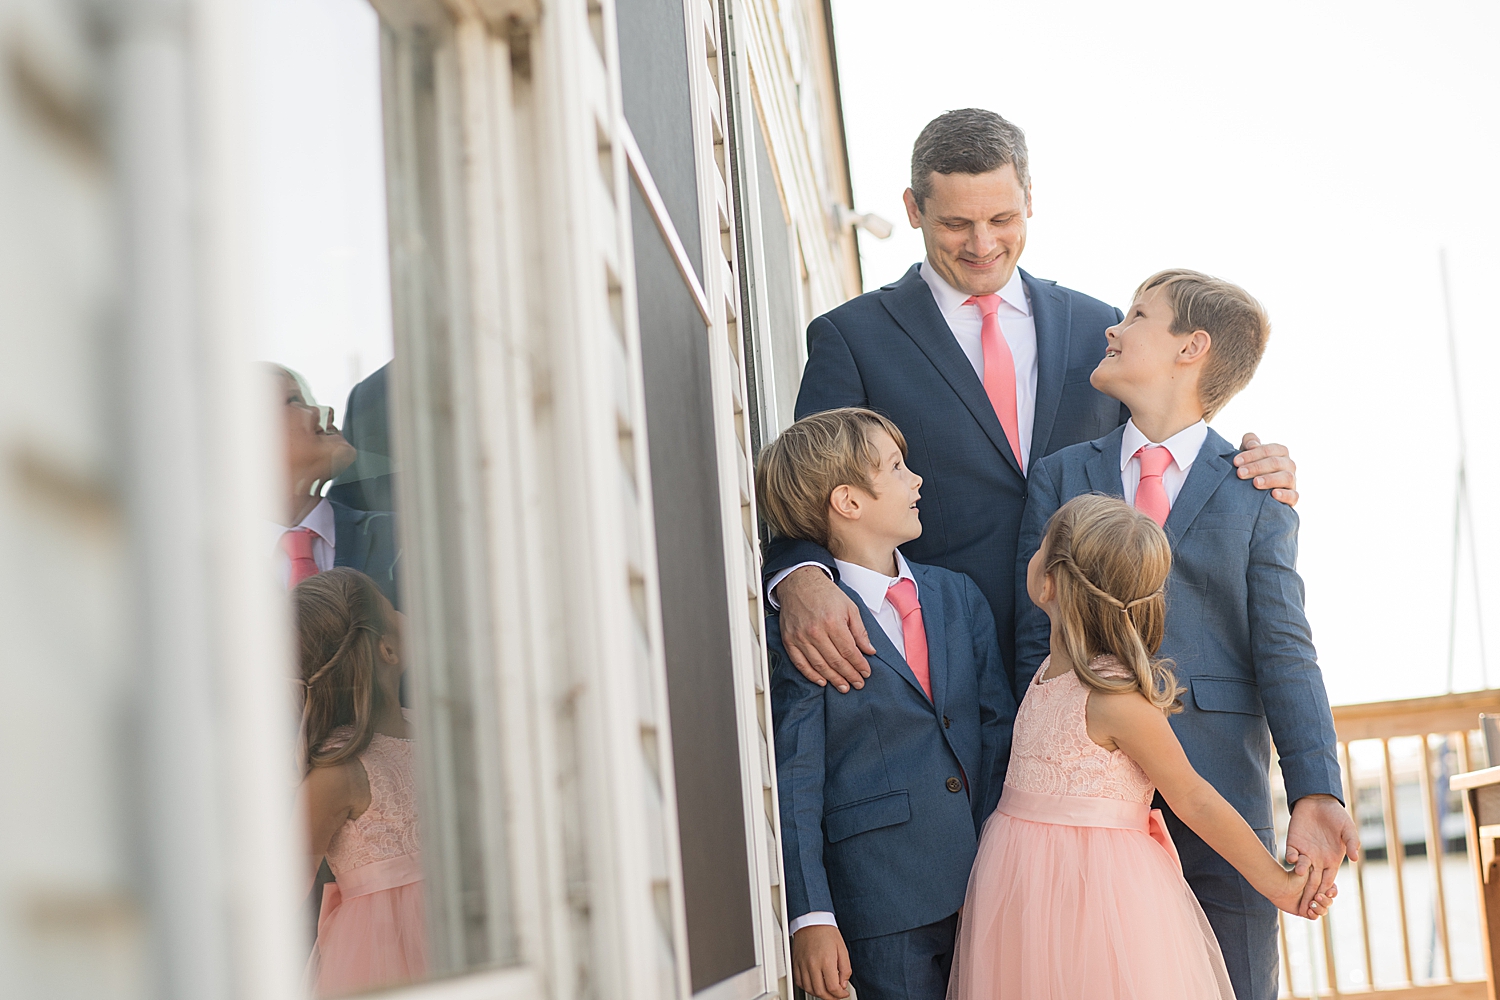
1329,962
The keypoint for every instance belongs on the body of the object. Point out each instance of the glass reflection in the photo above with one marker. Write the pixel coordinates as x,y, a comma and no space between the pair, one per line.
358,793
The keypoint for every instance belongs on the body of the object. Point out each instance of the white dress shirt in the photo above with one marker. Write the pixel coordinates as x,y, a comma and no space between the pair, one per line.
1016,325
1019,329
320,520
871,586
1184,446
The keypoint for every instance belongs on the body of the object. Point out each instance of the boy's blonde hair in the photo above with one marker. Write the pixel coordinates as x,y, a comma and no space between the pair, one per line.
1109,563
797,473
1227,313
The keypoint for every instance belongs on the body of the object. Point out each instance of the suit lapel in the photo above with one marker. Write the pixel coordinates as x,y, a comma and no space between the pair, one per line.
885,651
1103,468
930,596
1052,315
912,306
1208,471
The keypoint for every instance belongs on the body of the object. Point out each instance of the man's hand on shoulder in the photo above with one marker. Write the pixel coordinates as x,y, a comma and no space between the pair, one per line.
1272,467
822,630
820,962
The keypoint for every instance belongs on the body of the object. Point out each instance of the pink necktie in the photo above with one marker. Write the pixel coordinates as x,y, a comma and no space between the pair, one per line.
1151,495
298,545
903,597
999,370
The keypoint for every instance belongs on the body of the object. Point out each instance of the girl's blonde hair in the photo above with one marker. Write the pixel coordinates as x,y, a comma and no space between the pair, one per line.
340,621
1109,563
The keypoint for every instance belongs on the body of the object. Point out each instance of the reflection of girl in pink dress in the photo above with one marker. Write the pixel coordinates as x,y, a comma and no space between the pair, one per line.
358,792
1077,891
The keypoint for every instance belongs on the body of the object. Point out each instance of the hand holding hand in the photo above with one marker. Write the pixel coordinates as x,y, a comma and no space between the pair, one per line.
822,630
1290,892
1272,467
1322,832
820,962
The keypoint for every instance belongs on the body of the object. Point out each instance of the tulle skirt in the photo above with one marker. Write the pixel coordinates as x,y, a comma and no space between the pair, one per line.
372,930
1082,898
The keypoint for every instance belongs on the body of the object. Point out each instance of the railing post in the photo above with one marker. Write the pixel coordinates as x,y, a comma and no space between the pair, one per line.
1359,866
1435,855
1394,851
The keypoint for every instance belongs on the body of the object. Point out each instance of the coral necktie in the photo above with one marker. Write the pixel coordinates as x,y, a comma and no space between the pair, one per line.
1151,495
298,545
999,370
903,597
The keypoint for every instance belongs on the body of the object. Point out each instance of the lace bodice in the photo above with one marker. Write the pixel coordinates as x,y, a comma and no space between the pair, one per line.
388,827
1051,751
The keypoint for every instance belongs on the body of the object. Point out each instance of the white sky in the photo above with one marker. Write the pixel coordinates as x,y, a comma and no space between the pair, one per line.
1319,154
325,303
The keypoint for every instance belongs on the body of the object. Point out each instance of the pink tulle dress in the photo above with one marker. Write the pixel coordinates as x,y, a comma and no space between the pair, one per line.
372,929
1077,891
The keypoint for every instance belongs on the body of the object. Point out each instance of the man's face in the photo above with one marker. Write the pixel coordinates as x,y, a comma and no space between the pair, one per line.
974,226
313,453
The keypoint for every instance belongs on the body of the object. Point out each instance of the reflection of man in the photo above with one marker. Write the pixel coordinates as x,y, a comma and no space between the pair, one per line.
317,533
366,485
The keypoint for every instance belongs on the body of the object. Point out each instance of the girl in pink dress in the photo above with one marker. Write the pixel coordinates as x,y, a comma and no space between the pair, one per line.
1076,891
358,791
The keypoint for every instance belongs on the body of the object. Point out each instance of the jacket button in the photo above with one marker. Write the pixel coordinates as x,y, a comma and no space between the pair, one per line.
947,722
954,785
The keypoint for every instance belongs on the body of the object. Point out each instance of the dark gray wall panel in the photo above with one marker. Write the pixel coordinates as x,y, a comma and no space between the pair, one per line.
779,284
654,77
695,609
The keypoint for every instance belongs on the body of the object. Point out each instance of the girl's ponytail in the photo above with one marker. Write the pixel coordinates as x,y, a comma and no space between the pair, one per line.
1109,563
340,619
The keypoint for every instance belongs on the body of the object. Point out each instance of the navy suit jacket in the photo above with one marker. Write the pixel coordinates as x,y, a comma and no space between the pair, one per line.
891,350
875,822
366,540
1235,624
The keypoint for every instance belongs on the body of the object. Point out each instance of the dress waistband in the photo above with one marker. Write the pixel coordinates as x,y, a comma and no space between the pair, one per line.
388,874
1087,810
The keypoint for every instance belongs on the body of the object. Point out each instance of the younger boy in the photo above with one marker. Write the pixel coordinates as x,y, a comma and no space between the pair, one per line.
1235,623
883,790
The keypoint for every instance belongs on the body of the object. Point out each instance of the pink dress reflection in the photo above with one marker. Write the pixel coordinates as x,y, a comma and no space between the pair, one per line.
1077,890
372,930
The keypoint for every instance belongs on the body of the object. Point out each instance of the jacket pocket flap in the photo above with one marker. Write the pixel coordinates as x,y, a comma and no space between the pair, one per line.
1225,694
1225,521
866,815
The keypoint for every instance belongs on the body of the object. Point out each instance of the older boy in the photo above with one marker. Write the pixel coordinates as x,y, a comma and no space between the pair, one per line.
883,790
1235,622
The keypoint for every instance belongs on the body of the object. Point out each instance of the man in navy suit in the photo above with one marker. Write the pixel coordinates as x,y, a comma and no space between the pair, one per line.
1236,630
934,352
318,532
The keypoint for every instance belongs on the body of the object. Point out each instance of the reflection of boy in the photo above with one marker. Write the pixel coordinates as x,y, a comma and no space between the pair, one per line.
1235,623
316,533
882,790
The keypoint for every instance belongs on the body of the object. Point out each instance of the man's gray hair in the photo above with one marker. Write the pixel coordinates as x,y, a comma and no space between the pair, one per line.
968,141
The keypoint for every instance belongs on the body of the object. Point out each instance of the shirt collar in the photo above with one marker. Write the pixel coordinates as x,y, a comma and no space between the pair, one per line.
319,519
870,585
1184,445
950,299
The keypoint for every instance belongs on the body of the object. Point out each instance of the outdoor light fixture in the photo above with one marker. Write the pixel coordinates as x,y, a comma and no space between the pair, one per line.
869,222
